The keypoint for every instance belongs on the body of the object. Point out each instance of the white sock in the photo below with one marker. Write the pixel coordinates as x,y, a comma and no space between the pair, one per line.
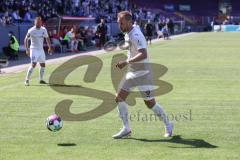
41,73
158,110
29,72
123,113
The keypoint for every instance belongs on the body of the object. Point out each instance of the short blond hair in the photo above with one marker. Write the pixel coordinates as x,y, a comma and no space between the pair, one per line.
38,18
126,15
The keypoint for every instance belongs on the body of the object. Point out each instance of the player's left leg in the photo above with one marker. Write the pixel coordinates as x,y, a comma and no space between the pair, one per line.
158,110
41,73
42,59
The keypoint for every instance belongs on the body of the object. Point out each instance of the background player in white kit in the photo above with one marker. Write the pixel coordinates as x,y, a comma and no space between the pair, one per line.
36,52
137,53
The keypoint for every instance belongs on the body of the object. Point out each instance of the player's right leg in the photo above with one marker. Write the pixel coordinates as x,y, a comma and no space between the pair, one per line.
29,73
123,113
33,57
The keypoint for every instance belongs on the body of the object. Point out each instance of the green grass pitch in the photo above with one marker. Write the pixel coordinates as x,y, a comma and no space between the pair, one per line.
204,69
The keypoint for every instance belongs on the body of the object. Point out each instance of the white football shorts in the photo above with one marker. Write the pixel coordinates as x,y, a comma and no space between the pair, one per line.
37,55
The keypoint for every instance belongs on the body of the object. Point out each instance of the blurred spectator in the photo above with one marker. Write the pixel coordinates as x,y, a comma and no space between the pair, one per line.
165,32
16,16
70,38
102,10
27,16
6,19
90,36
107,9
148,31
161,24
170,25
54,13
81,38
101,33
63,31
11,51
55,39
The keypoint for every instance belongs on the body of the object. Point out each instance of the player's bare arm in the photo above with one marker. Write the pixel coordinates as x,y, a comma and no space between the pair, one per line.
50,49
26,45
142,54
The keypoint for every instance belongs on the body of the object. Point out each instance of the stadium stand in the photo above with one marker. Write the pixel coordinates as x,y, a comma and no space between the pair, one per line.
187,15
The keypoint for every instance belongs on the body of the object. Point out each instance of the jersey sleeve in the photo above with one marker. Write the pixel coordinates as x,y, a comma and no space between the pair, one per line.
45,35
140,41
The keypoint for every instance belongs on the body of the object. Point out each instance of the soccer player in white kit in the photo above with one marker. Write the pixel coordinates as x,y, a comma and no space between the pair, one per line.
36,52
137,55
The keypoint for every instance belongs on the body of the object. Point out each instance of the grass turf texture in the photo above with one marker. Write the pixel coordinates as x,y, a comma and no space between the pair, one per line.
204,71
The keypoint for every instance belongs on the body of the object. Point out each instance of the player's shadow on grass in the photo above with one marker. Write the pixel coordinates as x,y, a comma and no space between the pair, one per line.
195,143
64,85
66,144
57,85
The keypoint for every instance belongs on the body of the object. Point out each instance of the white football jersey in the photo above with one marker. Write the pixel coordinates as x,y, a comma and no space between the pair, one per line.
37,36
137,41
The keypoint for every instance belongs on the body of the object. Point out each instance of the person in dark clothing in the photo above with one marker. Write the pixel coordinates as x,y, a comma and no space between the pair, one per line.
11,51
165,33
170,25
149,31
101,33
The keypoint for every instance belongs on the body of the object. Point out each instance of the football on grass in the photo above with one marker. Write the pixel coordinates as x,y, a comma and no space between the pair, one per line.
54,123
